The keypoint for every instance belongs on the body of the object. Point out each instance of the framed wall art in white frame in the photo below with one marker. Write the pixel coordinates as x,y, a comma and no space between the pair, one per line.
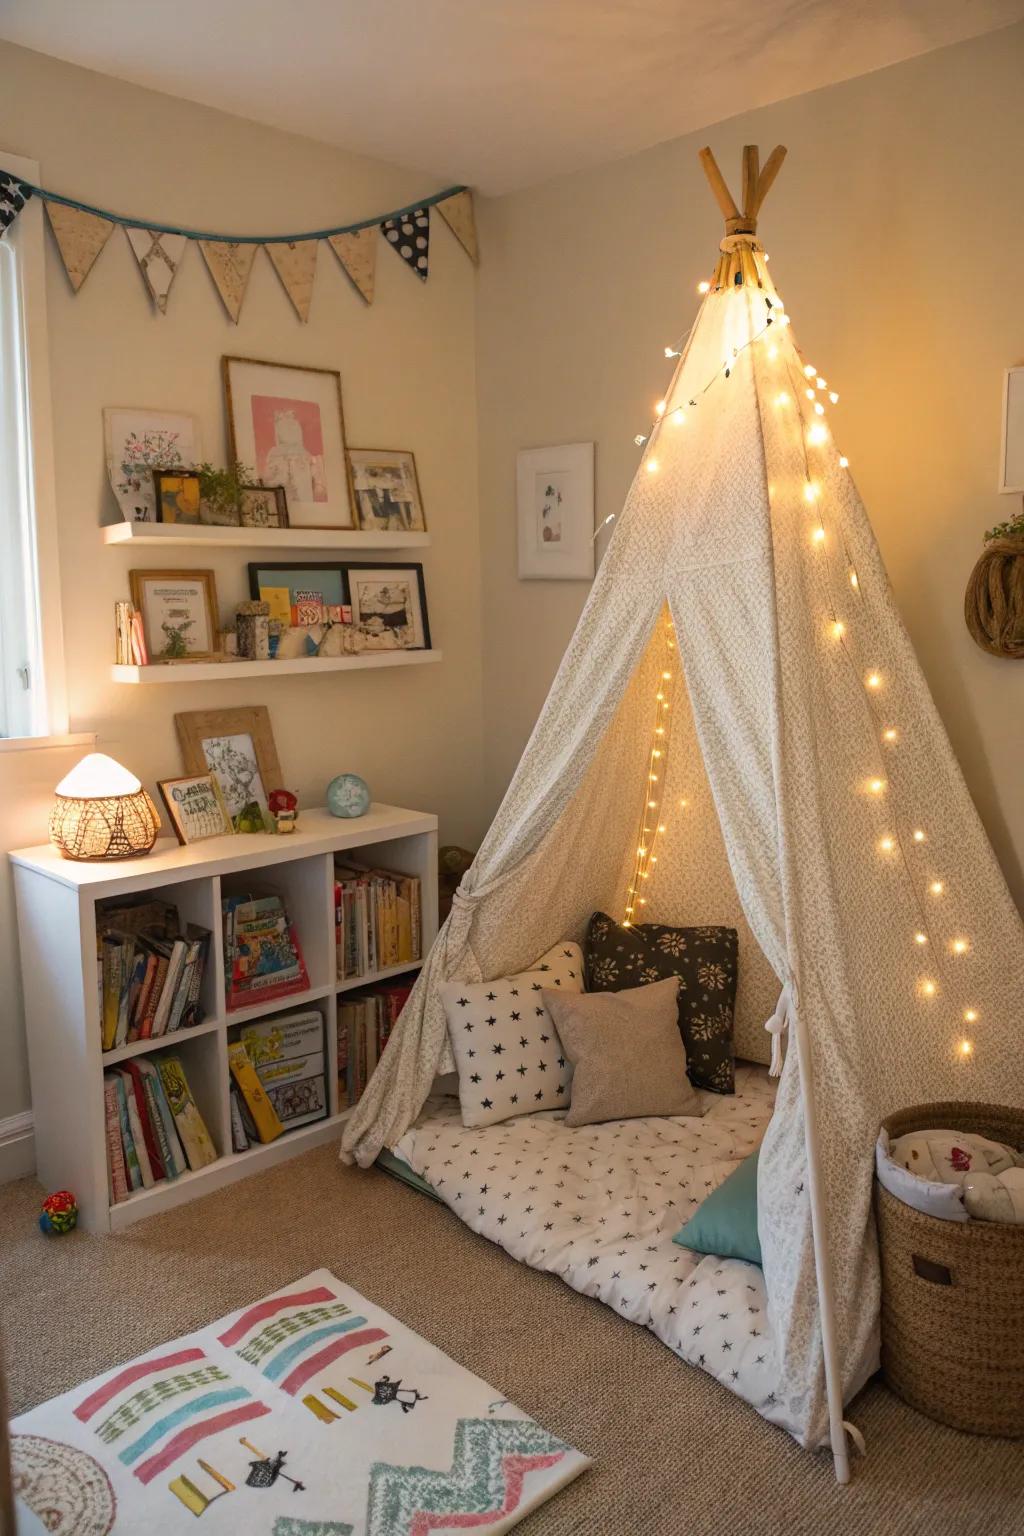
1011,445
555,512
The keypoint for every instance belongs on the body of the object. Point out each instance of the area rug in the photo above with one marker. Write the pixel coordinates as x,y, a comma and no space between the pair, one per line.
311,1413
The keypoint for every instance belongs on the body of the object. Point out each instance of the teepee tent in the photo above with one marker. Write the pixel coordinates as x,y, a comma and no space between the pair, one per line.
740,733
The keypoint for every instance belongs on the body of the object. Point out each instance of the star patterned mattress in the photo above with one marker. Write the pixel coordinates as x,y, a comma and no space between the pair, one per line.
598,1205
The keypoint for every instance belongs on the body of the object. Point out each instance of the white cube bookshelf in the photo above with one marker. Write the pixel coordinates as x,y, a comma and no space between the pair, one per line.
57,901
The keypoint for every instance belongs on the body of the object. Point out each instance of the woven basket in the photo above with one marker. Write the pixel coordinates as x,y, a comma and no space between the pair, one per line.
953,1294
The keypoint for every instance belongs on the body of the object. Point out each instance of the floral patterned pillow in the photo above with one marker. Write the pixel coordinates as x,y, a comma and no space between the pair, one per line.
704,959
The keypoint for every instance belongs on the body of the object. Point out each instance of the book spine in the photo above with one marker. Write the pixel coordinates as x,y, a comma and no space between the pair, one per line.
178,1160
191,1127
148,1128
118,1181
133,1171
169,990
138,1137
157,1123
417,923
160,977
239,1140
268,1126
145,993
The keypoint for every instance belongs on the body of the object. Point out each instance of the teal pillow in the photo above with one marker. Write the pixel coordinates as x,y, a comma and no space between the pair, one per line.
725,1223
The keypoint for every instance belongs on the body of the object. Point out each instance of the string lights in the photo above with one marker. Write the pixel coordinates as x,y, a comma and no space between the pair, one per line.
652,822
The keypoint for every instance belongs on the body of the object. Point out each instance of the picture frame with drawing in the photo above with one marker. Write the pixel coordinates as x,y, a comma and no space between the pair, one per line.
138,440
179,497
555,512
179,614
237,747
390,601
196,808
386,490
263,506
287,421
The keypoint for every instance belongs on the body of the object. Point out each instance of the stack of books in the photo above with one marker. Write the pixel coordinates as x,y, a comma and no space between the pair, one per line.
154,1130
280,1079
262,957
377,919
130,637
149,972
365,1021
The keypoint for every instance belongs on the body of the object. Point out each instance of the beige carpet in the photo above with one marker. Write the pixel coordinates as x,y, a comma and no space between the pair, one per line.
675,1454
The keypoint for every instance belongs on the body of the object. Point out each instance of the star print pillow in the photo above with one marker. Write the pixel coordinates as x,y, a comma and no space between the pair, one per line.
506,1048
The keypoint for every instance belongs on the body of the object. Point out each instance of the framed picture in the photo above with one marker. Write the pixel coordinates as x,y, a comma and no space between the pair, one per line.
1011,464
178,499
390,598
287,421
263,506
555,510
196,807
237,747
137,442
386,490
301,592
179,613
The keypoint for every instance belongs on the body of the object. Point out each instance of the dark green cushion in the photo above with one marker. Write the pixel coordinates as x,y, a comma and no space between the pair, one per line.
704,959
725,1223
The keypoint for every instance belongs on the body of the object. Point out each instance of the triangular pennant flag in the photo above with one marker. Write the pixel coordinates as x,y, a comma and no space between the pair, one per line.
80,237
230,262
457,212
295,264
357,253
14,194
409,234
159,257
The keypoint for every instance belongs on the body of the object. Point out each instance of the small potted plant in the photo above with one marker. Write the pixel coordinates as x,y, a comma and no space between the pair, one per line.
994,601
220,493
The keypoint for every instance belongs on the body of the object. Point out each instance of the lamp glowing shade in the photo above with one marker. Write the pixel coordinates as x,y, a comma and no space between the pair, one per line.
102,812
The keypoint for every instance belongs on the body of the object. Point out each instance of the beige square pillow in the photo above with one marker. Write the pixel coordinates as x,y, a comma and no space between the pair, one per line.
626,1051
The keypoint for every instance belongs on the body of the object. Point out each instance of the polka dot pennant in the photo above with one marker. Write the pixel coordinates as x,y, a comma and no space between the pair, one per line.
409,235
14,194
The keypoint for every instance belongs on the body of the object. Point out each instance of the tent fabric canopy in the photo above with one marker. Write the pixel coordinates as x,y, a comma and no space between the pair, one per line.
808,794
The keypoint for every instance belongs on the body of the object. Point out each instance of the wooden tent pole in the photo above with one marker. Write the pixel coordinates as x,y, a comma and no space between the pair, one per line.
772,167
722,194
751,161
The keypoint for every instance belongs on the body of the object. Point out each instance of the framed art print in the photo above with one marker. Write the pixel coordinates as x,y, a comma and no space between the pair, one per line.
263,506
390,600
196,807
555,512
386,490
179,613
286,421
137,442
237,747
301,592
1011,464
178,497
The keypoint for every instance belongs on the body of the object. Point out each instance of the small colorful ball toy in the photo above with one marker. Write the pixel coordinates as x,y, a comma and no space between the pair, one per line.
348,795
60,1213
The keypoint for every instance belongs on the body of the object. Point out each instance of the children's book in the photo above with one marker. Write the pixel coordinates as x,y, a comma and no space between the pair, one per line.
288,1054
264,1115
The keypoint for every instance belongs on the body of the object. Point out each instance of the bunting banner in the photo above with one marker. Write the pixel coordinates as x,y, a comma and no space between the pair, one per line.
457,213
409,235
230,264
357,253
80,237
81,231
159,257
14,194
294,261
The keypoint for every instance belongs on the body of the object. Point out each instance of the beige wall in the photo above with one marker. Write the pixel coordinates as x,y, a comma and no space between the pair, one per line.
895,231
407,370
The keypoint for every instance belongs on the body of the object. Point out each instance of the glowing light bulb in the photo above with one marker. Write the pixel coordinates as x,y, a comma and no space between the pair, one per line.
920,938
873,680
838,630
659,697
918,835
667,676
627,923
833,396
876,786
818,433
642,900
655,753
887,844
663,828
809,372
659,409
683,804
889,734
641,852
652,805
628,911
928,988
970,1016
959,946
782,399
810,491
644,876
844,462
653,778
654,858
965,1047
820,382
853,580
936,887
671,352
818,535
659,730
773,352
819,408
704,287
809,393
652,466
678,417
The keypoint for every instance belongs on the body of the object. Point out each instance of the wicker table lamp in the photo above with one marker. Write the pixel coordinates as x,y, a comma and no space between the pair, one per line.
102,812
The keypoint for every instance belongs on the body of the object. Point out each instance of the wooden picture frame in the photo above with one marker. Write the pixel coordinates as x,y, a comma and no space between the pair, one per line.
178,496
247,513
376,508
555,512
199,729
286,429
180,591
186,818
360,573
1011,442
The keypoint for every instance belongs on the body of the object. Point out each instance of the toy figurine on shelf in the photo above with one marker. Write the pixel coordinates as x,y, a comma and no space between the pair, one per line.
59,1213
284,807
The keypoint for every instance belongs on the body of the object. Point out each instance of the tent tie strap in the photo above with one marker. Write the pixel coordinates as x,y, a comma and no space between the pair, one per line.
856,1436
777,1025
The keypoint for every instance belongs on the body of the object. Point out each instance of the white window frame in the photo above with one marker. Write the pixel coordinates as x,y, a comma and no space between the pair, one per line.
40,564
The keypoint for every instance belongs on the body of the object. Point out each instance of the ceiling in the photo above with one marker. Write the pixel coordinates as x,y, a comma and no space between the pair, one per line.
495,93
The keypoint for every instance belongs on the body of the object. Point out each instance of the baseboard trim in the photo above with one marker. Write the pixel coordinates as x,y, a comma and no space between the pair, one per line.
17,1147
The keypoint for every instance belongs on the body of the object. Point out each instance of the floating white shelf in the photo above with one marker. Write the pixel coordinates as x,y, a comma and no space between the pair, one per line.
57,901
223,671
178,535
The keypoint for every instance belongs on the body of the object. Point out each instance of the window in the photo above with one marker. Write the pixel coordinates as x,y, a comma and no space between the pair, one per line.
32,699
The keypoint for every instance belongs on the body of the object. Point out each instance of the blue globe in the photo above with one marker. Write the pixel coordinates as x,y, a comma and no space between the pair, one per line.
348,795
